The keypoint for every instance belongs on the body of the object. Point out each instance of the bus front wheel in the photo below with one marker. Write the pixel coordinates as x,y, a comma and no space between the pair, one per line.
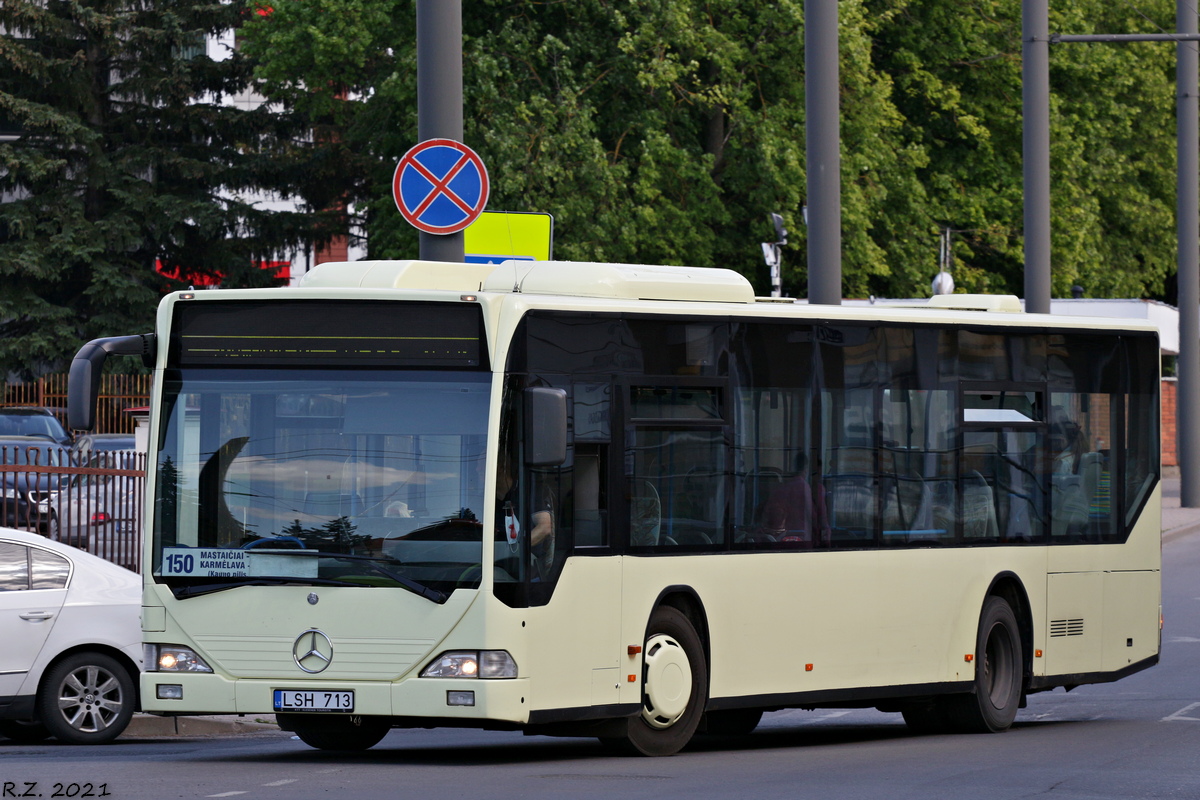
327,732
999,673
674,686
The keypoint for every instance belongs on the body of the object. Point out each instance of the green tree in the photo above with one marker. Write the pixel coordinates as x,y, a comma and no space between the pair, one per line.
665,131
661,131
956,70
121,151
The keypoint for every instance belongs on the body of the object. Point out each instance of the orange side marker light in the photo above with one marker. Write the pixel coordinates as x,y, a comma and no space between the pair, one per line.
969,657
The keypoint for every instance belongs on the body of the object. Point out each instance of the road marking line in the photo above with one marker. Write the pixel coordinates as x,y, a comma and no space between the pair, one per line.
284,782
834,715
225,794
1179,715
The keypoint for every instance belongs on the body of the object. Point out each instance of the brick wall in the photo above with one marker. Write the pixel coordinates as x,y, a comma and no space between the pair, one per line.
337,250
1169,457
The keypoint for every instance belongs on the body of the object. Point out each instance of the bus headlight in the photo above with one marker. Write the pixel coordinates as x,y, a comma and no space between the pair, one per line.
472,664
173,658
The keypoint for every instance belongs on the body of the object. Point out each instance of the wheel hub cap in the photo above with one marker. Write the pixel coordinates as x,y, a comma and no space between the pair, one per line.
668,683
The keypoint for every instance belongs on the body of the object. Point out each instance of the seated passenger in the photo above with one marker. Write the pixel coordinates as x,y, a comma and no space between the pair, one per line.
791,513
1073,479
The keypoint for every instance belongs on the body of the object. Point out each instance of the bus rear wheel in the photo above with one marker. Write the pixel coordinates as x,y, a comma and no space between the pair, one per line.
674,688
734,722
999,674
338,733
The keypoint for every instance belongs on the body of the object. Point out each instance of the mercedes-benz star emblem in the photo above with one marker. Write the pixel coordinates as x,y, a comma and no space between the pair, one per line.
313,651
313,599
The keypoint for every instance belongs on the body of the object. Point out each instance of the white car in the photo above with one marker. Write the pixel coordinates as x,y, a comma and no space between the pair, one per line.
71,634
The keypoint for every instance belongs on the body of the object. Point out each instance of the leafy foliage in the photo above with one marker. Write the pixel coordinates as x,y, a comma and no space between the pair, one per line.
665,131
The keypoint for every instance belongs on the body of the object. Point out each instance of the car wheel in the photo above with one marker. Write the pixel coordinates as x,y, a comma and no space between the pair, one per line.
21,730
87,698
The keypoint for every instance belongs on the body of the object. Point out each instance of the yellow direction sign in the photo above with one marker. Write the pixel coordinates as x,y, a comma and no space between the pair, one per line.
502,235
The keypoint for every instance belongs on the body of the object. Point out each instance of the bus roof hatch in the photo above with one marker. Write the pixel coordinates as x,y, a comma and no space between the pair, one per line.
623,281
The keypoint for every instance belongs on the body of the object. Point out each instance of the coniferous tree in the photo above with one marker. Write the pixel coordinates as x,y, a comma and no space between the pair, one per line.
120,152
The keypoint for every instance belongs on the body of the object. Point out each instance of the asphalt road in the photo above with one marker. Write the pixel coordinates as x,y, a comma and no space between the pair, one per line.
1137,738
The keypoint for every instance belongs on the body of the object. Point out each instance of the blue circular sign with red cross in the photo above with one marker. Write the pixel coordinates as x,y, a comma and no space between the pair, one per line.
440,186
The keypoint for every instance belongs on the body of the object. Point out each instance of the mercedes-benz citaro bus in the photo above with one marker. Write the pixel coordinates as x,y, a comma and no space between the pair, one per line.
635,503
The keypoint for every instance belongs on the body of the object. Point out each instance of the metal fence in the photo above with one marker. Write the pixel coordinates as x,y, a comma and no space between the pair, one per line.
90,500
118,395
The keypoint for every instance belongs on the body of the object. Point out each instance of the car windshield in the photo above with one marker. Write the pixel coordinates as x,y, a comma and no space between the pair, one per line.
359,477
19,422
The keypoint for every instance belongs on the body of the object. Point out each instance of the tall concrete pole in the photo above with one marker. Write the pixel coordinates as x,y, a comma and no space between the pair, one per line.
440,97
822,132
1187,126
1035,79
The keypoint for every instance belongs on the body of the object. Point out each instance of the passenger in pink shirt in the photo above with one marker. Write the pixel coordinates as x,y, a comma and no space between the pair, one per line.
790,514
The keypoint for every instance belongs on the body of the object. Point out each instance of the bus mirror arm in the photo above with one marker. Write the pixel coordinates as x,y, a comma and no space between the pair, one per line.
545,426
83,381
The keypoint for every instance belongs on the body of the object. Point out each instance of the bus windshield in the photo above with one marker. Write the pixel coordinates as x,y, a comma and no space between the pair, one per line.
322,476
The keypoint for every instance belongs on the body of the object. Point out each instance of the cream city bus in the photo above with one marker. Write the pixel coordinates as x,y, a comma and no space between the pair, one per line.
634,503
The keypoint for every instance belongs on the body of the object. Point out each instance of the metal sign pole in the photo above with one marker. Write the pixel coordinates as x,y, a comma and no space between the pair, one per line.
440,97
1188,222
1035,82
823,158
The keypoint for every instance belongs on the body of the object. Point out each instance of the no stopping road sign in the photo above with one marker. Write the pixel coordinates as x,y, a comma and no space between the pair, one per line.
440,186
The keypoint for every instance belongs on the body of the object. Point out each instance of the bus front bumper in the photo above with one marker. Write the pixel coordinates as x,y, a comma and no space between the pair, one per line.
434,698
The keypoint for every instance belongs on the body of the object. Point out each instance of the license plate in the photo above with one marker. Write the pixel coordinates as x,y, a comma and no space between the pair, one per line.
310,700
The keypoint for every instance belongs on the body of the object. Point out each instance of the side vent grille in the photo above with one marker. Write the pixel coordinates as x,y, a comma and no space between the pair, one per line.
1066,627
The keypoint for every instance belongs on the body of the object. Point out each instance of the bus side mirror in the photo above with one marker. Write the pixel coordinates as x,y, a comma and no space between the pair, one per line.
545,426
83,381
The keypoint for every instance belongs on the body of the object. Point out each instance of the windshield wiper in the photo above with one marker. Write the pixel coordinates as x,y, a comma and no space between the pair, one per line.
407,583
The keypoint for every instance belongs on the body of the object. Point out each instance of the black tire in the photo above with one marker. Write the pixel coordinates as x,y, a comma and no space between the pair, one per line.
87,698
999,674
674,688
20,730
734,722
347,733
928,718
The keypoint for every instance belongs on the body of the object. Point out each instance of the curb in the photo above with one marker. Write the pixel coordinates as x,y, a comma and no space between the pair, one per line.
148,725
1181,531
